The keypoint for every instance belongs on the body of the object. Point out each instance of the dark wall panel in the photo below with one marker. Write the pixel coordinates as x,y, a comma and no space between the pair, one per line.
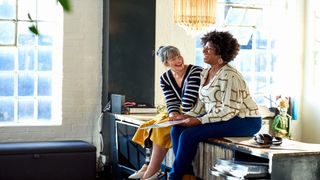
131,46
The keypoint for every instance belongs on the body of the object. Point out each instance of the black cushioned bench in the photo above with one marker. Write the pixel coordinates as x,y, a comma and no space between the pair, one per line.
48,160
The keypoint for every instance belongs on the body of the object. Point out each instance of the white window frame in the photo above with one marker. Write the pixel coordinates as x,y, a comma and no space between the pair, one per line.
267,96
52,24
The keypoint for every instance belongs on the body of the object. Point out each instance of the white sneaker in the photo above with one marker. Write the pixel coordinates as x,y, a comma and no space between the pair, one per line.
139,174
157,175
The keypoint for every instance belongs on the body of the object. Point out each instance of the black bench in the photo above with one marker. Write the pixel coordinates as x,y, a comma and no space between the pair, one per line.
49,160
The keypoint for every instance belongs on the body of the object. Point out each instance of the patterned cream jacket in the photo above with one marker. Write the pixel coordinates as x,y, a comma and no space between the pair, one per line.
224,97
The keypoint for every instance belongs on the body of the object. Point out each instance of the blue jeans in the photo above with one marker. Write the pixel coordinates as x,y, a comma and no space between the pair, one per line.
185,140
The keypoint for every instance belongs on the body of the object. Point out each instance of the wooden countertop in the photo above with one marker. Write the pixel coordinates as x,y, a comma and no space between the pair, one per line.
287,148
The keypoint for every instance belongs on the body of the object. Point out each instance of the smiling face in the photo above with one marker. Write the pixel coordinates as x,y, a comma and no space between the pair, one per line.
175,63
170,57
209,54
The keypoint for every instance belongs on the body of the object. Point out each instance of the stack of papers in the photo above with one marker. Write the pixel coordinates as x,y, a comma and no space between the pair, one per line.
240,169
142,110
165,124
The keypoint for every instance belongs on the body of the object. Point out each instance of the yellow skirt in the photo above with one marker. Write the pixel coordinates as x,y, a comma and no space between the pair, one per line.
159,136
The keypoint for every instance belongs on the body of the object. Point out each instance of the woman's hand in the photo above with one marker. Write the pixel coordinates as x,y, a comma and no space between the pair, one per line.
179,117
191,121
173,114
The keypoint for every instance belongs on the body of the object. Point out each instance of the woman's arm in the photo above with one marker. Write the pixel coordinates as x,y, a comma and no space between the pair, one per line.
190,89
197,110
172,101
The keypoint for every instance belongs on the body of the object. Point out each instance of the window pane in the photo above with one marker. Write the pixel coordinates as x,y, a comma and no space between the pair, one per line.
6,85
44,14
45,40
7,33
261,84
245,65
248,79
44,59
199,57
273,61
260,100
251,17
25,7
198,41
44,110
44,85
7,9
234,16
48,30
26,84
25,37
261,62
247,45
26,58
243,35
271,82
6,110
26,109
245,61
6,59
262,41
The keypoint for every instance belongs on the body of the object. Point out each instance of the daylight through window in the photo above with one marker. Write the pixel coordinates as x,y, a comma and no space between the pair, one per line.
259,59
30,65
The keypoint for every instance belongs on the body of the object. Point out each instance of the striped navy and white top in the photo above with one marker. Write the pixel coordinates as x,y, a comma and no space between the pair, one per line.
187,95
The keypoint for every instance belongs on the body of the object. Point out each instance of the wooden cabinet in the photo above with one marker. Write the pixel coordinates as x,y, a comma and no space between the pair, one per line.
291,161
131,156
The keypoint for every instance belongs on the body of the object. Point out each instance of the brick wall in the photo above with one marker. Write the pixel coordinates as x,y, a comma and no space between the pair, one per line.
82,81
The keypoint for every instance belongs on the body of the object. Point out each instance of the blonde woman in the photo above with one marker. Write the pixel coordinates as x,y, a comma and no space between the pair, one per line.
180,86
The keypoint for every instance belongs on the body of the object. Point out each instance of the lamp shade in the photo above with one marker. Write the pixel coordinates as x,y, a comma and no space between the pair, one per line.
194,15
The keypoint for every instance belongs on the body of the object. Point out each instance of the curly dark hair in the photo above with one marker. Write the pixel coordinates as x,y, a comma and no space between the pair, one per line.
225,44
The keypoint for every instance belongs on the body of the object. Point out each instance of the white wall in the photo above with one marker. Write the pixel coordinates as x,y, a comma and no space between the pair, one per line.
82,81
311,96
168,33
292,57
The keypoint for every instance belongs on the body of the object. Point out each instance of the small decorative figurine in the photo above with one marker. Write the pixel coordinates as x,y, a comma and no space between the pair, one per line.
282,122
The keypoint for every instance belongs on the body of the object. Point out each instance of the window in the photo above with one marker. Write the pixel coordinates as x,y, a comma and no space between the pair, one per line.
259,58
30,65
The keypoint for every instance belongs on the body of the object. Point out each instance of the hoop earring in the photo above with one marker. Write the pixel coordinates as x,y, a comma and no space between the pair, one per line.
220,61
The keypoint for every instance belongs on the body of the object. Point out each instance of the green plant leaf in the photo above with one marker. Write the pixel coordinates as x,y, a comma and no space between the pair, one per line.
34,29
65,5
29,16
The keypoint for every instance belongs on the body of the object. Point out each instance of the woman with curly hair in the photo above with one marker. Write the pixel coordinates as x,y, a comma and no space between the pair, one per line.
224,108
